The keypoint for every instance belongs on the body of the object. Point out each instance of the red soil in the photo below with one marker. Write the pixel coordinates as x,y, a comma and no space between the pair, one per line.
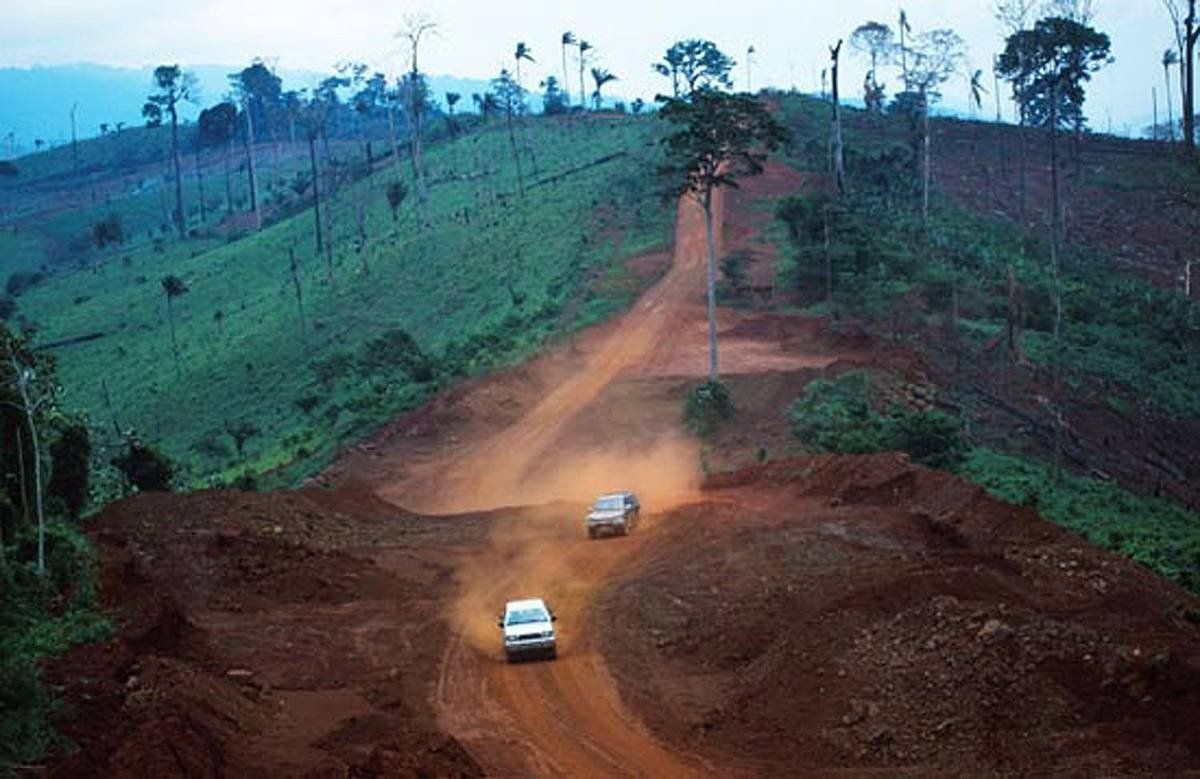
816,615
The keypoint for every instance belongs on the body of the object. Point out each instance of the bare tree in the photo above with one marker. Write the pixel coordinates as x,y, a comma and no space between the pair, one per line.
935,57
23,377
415,28
875,40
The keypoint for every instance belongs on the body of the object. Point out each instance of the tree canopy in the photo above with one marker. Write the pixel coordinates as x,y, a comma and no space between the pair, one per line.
693,64
719,137
1057,57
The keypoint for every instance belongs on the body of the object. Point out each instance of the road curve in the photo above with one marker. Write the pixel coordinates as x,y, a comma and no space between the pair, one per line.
565,717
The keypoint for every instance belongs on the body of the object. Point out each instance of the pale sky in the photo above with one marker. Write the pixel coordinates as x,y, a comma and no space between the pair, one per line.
477,38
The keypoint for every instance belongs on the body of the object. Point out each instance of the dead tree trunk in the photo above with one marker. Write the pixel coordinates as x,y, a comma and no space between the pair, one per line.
712,286
295,271
316,188
838,162
253,180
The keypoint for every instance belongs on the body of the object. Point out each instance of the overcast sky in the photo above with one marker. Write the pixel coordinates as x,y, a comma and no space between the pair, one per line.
477,38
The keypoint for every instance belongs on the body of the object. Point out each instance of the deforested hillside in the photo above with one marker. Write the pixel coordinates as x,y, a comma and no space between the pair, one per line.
241,351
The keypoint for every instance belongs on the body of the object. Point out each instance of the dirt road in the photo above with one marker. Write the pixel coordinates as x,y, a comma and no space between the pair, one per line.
565,718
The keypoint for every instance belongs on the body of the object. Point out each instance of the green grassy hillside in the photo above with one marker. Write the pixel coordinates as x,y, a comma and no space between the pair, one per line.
478,277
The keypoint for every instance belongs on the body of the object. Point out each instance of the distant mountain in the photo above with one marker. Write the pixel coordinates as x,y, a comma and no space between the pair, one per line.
37,101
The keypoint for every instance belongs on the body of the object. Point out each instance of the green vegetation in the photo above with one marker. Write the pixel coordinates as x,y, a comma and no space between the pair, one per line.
950,278
706,407
885,267
848,414
40,617
476,278
843,415
1157,533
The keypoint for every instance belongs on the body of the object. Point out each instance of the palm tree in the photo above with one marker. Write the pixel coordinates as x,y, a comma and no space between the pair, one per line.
977,89
584,48
173,286
568,39
523,52
601,77
1170,57
452,99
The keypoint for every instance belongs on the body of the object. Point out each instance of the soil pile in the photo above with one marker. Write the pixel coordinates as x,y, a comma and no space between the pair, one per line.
863,613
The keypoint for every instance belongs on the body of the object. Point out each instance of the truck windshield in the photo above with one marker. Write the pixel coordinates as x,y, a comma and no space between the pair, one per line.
526,616
610,504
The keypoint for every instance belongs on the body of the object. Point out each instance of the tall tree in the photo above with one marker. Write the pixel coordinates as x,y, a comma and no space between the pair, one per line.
510,96
977,90
1052,62
1177,10
693,64
584,48
259,92
313,119
415,29
905,29
216,126
1170,57
716,138
28,390
601,77
875,40
1014,16
554,99
452,99
837,160
173,287
173,86
523,52
568,39
935,56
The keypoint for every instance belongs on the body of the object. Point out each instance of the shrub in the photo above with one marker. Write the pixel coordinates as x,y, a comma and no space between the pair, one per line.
706,407
842,415
396,348
108,232
145,467
21,281
69,457
931,438
836,415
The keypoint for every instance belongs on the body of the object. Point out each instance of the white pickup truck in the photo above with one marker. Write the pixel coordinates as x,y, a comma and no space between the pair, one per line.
528,627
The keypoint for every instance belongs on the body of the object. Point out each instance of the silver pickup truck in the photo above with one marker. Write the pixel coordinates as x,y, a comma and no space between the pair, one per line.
615,513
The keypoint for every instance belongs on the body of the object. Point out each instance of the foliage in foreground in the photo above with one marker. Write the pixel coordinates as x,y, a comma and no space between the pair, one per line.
41,617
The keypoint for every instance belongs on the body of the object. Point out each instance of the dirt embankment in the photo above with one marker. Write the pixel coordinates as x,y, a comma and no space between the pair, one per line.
280,634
